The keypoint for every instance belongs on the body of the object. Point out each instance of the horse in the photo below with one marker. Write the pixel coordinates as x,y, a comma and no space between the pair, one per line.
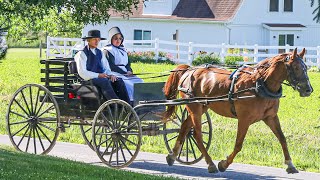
262,81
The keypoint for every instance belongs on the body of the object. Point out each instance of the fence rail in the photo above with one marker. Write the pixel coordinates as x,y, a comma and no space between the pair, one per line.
184,52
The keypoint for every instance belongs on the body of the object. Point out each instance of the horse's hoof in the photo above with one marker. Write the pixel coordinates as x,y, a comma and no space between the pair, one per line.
292,170
220,166
170,160
212,169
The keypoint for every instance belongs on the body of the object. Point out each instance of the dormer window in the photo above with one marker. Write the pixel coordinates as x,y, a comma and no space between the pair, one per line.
288,6
274,6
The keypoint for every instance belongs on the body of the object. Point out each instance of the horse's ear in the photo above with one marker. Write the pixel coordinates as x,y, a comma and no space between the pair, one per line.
301,54
294,53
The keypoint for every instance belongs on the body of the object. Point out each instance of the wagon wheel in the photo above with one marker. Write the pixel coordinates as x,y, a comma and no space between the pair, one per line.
86,130
33,119
190,152
116,133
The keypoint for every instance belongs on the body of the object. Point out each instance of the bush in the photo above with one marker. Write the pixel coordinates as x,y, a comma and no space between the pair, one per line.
232,60
149,57
204,58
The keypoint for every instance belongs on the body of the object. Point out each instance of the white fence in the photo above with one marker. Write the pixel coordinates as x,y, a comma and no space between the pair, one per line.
183,52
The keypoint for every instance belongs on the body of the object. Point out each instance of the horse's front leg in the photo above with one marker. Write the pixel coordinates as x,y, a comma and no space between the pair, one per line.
274,124
198,137
241,134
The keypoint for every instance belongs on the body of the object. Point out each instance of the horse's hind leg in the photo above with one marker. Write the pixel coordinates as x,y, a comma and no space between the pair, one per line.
185,128
274,125
241,134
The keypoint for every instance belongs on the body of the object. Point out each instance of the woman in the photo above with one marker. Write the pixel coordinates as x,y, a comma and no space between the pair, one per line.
118,60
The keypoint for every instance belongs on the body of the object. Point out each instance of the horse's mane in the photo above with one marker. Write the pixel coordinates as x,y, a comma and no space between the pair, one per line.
261,70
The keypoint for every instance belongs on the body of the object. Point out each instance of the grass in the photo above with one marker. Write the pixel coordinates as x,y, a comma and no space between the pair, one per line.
15,165
299,117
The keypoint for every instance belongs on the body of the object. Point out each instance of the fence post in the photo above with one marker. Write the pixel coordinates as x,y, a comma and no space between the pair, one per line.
223,52
64,47
255,53
48,47
287,48
156,49
190,53
318,56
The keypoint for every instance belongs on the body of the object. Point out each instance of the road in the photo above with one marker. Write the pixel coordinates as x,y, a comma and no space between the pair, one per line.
155,164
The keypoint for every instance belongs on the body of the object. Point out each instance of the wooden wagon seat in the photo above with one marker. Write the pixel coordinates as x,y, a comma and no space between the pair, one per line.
85,89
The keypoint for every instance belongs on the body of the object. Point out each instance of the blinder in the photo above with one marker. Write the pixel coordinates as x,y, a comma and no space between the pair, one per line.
293,79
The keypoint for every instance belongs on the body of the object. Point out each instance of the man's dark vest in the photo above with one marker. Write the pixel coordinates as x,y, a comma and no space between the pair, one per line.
94,63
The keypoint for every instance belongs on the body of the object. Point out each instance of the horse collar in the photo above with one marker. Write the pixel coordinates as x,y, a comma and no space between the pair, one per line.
263,91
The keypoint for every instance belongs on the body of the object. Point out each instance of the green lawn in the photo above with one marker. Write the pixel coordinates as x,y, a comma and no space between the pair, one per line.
299,118
15,165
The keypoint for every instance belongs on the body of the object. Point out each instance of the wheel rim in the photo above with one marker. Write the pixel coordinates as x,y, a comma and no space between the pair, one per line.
190,152
32,119
116,133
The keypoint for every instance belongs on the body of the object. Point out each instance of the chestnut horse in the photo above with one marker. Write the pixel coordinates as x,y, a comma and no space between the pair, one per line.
262,81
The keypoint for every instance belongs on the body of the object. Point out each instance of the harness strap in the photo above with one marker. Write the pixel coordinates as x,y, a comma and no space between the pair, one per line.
187,90
231,93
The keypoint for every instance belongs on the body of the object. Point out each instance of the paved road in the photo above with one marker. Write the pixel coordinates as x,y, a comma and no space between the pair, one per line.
155,164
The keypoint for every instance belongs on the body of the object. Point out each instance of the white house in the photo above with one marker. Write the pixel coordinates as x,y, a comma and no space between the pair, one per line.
262,22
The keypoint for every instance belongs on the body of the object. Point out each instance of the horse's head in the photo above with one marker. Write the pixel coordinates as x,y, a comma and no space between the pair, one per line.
297,73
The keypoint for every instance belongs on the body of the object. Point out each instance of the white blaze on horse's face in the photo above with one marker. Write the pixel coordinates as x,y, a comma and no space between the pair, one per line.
297,74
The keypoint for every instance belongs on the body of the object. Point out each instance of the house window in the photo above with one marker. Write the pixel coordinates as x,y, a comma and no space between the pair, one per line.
288,6
285,39
142,35
274,6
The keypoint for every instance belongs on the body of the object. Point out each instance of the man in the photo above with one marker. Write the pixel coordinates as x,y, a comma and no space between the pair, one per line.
92,64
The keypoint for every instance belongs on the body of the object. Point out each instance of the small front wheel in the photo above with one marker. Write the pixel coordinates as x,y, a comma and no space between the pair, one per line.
116,133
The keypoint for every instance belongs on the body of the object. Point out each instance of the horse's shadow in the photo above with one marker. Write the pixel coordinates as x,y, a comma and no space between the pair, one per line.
191,171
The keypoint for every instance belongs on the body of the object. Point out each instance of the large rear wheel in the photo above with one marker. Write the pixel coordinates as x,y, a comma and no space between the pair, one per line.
33,119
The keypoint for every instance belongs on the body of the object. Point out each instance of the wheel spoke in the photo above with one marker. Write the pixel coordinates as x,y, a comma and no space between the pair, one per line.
106,120
25,101
128,140
194,153
115,115
88,129
37,99
117,152
20,122
31,128
43,125
110,158
24,135
204,132
43,133
48,120
31,104
125,120
34,140
104,141
111,117
42,103
49,108
130,126
192,138
21,107
39,138
20,130
173,138
126,147
18,114
204,122
187,148
124,157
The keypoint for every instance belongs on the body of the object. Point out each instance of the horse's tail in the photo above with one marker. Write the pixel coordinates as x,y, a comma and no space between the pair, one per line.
171,88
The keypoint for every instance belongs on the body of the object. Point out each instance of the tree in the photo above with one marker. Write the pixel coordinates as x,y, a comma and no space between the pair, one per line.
316,11
81,11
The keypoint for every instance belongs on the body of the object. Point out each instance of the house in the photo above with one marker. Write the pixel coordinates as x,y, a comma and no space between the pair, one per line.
243,22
